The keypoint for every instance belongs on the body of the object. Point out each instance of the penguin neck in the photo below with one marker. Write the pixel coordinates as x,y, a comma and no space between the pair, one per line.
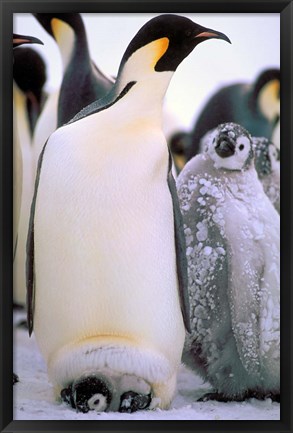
72,46
144,100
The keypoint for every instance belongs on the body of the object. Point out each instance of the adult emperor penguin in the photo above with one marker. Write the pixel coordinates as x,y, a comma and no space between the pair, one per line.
233,251
21,139
106,258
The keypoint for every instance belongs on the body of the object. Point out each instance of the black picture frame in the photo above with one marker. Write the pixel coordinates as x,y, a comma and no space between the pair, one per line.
8,8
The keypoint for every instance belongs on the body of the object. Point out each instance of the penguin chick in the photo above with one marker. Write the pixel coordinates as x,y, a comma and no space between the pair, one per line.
82,82
233,252
106,242
267,164
255,106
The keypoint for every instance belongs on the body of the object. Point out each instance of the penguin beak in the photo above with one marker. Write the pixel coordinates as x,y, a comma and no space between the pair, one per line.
225,148
20,39
209,34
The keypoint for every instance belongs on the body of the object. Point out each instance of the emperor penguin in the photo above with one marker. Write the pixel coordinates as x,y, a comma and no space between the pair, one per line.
255,106
267,164
21,145
233,251
106,264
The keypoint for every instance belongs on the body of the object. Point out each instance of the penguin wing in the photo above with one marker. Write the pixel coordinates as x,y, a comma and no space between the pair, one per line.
180,245
30,271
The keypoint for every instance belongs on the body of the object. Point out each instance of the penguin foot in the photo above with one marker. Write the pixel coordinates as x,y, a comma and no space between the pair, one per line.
87,393
132,402
15,379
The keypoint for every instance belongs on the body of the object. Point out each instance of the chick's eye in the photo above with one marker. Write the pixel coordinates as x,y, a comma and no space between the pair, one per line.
241,147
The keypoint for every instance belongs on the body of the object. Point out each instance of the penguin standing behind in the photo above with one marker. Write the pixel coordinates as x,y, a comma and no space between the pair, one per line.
255,106
18,40
233,251
82,83
267,164
106,254
21,150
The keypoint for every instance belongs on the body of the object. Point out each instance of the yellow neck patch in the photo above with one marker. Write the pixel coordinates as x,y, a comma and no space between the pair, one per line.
158,49
65,38
269,99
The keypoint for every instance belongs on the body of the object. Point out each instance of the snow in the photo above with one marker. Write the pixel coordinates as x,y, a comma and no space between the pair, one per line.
33,395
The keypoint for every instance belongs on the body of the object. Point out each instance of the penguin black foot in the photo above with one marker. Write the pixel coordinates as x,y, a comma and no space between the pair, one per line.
15,379
87,393
132,402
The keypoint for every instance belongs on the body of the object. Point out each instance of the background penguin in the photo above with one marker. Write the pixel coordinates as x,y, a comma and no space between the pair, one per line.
21,155
106,249
267,164
254,106
17,41
233,251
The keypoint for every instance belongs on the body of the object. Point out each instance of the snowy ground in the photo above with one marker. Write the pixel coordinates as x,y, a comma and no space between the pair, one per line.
33,397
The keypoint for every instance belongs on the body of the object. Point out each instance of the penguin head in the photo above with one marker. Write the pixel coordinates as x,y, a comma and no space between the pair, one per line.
21,39
29,70
230,147
88,393
161,45
66,29
267,156
58,24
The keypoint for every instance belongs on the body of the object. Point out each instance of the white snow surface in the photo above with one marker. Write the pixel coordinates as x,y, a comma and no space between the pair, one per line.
33,395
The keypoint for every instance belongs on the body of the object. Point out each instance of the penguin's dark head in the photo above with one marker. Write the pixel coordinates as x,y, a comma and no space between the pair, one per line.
267,156
230,147
166,40
57,24
21,39
29,70
88,393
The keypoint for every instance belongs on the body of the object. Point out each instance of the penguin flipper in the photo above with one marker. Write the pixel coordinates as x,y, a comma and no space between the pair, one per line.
180,245
30,271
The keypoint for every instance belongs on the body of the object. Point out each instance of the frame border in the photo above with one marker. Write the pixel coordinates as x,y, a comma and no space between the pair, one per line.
7,8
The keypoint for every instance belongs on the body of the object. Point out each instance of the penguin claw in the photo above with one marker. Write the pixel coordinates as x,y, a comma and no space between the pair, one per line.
132,402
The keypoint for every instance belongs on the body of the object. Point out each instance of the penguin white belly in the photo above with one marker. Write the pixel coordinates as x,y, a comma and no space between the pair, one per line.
105,256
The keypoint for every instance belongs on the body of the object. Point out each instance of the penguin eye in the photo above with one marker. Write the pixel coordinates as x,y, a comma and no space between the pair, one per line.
241,147
188,33
96,402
